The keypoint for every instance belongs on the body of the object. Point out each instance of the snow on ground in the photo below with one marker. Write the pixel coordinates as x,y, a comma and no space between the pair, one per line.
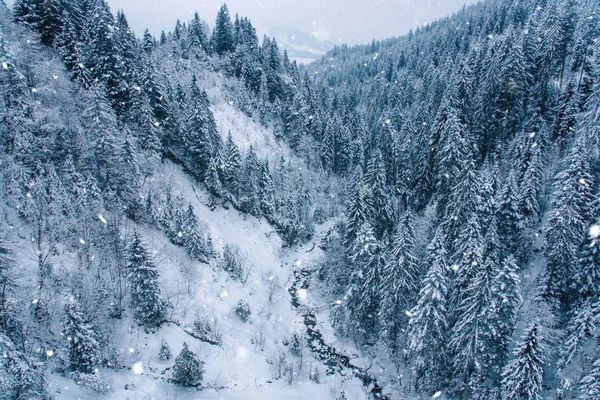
239,368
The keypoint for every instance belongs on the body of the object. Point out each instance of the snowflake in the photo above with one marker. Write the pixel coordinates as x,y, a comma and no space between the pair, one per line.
436,394
81,241
101,218
595,231
49,353
138,368
4,65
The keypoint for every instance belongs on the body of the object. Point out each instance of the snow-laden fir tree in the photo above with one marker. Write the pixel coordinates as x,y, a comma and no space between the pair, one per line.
188,369
522,376
82,342
164,353
400,284
368,258
7,284
426,333
222,39
567,225
194,242
147,305
508,300
589,387
381,209
21,377
357,209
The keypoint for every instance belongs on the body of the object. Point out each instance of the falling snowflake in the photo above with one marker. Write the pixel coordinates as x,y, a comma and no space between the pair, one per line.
81,241
455,267
137,368
408,314
595,231
131,350
302,294
436,395
338,302
101,218
298,263
49,353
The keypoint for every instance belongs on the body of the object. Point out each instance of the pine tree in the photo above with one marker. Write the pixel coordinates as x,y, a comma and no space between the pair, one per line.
381,209
188,370
20,376
530,188
231,166
357,208
363,297
222,38
566,228
508,299
164,352
426,334
474,333
402,278
212,179
509,215
589,386
194,243
7,284
580,330
522,377
146,302
84,349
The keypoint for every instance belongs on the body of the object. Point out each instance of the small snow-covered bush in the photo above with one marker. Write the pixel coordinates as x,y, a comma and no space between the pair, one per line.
91,381
242,310
164,353
188,369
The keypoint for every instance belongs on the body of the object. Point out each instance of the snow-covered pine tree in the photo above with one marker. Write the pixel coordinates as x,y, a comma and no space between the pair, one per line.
222,38
522,377
589,387
194,242
508,299
164,353
20,376
400,285
567,225
357,208
82,342
380,202
146,302
7,284
509,216
363,296
426,333
188,369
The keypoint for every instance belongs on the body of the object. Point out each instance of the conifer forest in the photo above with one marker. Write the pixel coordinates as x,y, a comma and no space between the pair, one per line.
198,215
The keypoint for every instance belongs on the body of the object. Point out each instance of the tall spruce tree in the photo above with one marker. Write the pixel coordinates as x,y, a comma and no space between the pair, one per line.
146,302
522,377
82,342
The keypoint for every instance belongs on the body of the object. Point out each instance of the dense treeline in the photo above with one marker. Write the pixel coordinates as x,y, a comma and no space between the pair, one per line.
477,134
470,237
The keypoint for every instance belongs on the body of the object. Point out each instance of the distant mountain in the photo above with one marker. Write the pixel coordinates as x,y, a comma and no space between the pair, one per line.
301,46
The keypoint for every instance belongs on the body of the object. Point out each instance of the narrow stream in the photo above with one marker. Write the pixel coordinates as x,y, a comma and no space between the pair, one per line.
335,361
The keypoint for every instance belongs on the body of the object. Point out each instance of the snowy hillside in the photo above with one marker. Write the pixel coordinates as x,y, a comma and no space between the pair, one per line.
196,216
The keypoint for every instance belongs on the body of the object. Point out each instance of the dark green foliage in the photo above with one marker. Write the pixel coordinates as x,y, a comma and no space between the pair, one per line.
146,302
82,343
188,369
222,39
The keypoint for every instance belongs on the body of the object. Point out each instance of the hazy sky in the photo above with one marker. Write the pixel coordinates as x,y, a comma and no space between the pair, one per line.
349,21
